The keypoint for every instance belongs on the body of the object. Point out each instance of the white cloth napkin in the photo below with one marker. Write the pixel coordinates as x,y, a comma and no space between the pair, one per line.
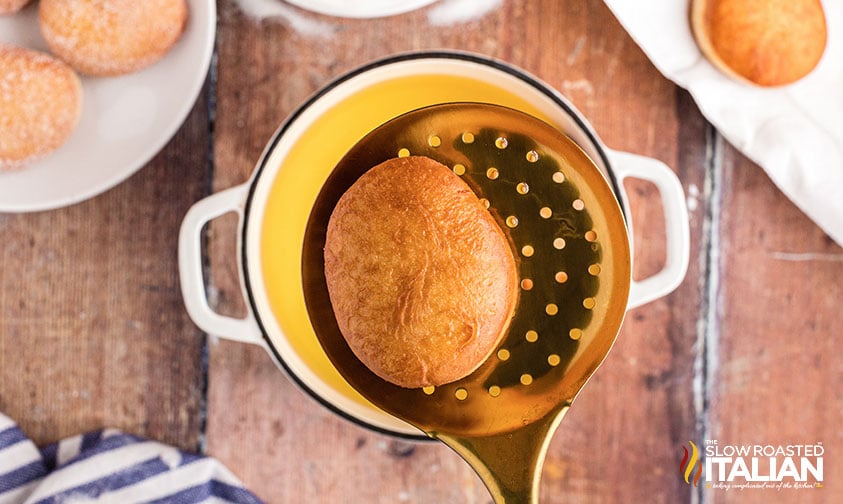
795,132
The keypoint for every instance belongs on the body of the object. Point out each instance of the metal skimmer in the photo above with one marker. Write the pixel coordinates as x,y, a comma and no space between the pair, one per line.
568,234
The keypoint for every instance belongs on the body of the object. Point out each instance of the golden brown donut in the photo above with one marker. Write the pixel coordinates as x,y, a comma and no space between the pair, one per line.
111,37
769,43
422,280
40,105
11,6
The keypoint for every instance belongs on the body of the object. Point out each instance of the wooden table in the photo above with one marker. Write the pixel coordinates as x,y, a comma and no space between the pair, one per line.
93,332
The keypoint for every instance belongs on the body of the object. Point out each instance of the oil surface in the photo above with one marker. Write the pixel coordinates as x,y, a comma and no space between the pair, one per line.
300,178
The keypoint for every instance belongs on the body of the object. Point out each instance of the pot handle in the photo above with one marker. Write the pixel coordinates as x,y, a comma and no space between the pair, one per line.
190,268
625,164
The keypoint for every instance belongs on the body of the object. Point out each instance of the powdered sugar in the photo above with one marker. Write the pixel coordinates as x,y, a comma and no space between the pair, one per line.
450,12
111,37
262,9
40,104
443,12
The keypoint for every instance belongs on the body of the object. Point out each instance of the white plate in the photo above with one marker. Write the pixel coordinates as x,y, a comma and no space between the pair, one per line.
360,9
125,120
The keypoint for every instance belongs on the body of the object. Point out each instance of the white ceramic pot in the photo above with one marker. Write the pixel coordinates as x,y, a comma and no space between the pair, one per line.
275,203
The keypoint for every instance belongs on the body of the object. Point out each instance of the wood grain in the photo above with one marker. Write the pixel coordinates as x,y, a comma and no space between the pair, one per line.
93,332
638,409
777,370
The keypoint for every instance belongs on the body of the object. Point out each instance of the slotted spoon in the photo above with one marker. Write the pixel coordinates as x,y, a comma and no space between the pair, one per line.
568,235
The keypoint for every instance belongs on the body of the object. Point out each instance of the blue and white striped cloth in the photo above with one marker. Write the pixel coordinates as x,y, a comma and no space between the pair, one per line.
109,466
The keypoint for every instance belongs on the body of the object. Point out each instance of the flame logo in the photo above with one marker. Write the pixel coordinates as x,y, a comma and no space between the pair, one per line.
686,467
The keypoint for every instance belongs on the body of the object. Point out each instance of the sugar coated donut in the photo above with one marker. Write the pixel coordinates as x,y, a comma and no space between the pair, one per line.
111,37
40,104
11,6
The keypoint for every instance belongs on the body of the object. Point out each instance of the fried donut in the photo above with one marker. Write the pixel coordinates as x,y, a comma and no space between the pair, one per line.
769,43
11,6
40,105
422,279
111,37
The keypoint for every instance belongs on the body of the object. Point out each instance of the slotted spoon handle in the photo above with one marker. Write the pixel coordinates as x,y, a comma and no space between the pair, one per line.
510,464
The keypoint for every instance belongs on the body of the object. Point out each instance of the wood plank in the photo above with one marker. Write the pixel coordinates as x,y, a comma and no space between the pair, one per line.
777,369
93,332
639,408
282,444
